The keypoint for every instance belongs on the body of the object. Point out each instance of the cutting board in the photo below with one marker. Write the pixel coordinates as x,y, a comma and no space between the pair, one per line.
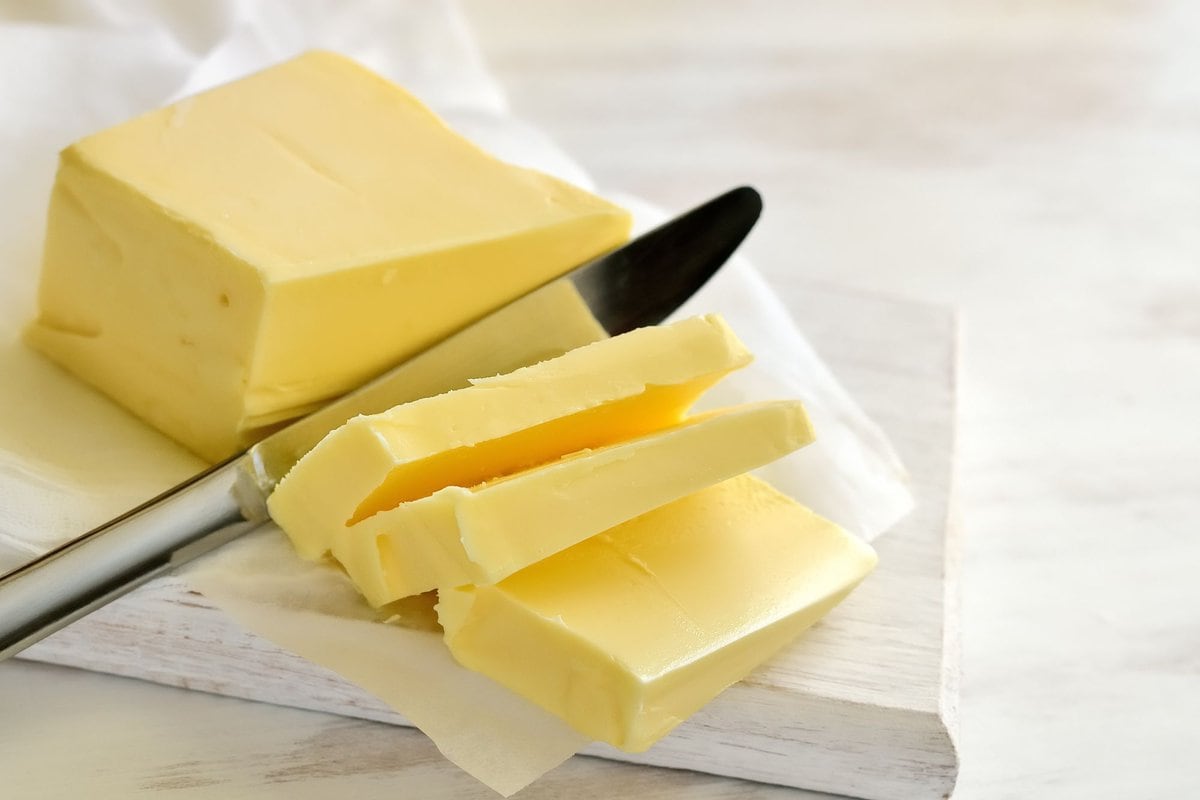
863,705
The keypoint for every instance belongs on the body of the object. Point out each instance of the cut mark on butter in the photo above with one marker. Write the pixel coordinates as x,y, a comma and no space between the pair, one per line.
655,408
596,394
483,534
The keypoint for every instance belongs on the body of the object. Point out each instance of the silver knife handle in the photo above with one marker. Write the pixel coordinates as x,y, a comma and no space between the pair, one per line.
65,584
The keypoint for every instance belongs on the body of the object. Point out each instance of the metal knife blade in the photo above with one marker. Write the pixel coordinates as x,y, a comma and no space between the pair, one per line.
637,284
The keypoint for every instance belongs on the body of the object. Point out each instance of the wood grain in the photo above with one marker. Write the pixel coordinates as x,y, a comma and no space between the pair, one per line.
862,705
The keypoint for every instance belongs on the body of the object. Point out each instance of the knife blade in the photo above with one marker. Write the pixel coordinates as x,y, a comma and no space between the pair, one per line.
637,284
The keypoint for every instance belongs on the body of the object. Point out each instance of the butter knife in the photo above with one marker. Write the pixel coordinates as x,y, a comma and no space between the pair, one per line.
637,284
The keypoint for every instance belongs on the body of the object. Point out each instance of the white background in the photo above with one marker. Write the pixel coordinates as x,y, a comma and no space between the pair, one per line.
1036,164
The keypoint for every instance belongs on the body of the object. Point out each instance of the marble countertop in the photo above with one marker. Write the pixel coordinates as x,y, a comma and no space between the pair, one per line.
1036,165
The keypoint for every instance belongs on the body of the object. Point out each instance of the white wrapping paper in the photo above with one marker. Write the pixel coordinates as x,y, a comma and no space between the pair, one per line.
70,459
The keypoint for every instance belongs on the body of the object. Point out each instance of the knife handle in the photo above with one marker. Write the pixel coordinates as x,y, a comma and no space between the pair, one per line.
80,576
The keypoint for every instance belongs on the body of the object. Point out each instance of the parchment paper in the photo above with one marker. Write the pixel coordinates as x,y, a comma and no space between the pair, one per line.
70,459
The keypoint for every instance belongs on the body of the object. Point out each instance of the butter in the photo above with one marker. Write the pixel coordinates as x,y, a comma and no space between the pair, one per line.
627,633
240,257
611,390
538,326
483,534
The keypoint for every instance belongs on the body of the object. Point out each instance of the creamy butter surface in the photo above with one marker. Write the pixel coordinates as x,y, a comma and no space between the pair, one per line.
238,258
627,633
483,534
608,391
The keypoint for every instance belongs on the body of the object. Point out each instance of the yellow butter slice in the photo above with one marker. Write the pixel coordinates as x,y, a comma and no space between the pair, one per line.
484,534
626,634
604,392
244,255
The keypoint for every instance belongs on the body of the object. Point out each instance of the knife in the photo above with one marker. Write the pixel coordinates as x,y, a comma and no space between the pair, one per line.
637,284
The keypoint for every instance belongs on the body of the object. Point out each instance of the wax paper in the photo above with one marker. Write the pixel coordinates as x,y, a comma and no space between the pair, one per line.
71,459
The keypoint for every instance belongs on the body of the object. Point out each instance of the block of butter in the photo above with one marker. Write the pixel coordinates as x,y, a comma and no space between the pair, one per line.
238,258
608,391
629,632
483,534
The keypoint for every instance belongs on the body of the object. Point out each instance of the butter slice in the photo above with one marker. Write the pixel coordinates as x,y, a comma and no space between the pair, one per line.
604,392
484,534
626,634
240,257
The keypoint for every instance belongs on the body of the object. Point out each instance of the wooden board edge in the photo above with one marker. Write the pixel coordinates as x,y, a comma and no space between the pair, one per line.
952,568
889,751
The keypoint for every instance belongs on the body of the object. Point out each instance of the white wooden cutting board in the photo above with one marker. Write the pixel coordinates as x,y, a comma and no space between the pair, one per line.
863,705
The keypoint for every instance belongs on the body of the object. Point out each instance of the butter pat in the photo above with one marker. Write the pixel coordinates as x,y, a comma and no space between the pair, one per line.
608,391
627,633
484,534
238,258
